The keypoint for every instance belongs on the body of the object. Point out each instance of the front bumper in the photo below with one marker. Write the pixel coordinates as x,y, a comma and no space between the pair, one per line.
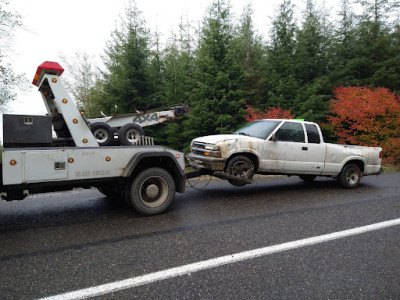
206,162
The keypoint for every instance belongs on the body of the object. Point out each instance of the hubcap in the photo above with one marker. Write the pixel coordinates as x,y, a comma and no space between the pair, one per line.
132,135
152,191
352,176
101,135
241,169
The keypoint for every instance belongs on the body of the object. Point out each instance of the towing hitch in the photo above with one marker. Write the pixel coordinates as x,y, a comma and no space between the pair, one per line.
218,174
223,175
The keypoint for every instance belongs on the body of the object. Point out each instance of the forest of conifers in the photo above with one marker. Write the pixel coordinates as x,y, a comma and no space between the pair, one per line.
218,67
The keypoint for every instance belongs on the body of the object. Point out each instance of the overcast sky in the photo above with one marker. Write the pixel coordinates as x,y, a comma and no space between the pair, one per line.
69,26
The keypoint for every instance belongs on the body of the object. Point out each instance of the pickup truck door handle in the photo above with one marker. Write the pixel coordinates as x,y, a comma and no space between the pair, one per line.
304,148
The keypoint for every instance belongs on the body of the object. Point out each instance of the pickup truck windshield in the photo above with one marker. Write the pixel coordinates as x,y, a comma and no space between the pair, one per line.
259,129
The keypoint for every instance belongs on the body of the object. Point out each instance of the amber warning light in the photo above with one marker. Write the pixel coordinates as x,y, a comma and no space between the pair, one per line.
48,67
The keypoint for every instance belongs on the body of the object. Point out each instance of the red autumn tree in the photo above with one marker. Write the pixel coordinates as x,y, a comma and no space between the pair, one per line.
269,113
369,117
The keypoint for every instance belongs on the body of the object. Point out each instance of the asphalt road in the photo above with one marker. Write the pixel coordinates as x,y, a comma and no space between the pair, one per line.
62,242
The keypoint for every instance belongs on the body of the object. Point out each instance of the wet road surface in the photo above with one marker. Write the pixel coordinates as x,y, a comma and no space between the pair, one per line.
62,242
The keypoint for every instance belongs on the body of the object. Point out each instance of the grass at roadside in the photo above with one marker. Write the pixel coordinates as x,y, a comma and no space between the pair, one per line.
391,168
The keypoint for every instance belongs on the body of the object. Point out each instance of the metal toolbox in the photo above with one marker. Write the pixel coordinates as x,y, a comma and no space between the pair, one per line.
26,129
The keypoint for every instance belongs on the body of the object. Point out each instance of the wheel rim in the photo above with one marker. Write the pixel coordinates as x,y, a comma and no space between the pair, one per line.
132,135
101,135
352,176
154,191
241,169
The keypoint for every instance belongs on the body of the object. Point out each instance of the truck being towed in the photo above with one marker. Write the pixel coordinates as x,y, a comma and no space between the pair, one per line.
287,147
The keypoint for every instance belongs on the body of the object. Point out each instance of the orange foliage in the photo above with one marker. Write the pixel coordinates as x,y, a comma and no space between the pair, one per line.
369,117
269,113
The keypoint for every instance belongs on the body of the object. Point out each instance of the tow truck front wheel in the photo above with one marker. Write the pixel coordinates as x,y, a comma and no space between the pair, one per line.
150,192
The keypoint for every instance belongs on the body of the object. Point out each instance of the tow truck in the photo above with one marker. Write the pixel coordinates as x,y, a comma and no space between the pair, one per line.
34,161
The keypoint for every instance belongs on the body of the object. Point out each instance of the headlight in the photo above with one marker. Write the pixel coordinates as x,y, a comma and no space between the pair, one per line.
205,149
211,147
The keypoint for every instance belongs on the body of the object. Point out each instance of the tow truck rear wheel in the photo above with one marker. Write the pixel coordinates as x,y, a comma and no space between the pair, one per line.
151,192
240,166
129,134
103,133
350,176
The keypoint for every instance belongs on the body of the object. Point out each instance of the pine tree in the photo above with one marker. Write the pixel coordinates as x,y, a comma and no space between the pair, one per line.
282,84
312,65
179,65
128,79
373,61
217,100
248,51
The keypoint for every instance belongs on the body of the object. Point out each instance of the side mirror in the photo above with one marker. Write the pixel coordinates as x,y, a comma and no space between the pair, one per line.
273,137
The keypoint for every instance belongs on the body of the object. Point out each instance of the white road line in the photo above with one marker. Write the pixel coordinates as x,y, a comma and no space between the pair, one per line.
215,262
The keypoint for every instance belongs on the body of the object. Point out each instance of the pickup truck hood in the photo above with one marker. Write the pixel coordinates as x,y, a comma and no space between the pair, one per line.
214,139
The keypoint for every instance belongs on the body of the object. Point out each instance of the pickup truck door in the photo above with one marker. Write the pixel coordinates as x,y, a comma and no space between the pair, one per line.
316,150
287,152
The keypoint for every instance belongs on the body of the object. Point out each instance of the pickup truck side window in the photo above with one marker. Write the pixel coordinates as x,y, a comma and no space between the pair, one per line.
290,132
313,134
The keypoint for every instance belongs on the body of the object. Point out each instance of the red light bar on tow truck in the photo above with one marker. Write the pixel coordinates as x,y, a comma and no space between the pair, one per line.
48,67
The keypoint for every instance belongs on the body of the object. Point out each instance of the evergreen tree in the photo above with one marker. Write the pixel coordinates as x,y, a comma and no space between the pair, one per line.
282,84
375,33
312,65
371,60
217,100
179,66
156,74
248,52
344,46
128,82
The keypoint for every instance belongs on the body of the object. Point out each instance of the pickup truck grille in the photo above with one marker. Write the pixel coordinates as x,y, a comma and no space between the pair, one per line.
199,145
198,148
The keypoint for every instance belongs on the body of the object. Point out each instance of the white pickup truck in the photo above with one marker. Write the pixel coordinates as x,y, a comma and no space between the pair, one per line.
289,147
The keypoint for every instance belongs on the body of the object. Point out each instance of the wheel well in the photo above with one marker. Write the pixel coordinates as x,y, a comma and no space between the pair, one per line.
359,163
249,155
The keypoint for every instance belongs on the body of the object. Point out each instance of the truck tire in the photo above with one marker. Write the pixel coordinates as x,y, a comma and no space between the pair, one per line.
350,176
129,134
151,192
240,166
307,178
103,133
